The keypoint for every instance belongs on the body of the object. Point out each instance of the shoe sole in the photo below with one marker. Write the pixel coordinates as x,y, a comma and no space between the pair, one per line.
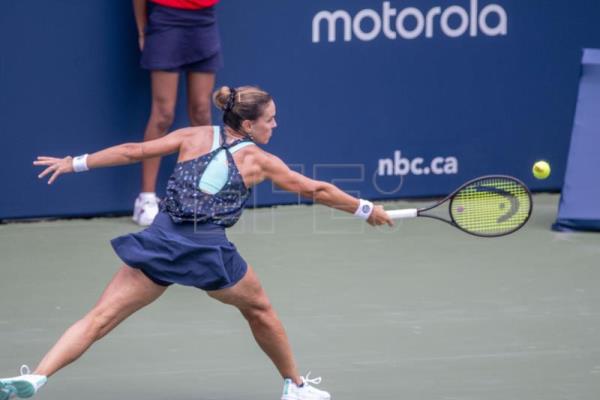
22,389
300,398
4,394
288,397
6,391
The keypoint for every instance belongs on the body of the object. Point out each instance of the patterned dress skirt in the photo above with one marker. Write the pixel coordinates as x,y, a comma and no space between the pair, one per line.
192,255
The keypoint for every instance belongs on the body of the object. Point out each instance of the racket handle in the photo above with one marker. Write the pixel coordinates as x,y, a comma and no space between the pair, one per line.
406,213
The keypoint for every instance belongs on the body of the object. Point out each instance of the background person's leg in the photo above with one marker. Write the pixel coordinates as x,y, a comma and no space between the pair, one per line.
199,91
128,291
164,98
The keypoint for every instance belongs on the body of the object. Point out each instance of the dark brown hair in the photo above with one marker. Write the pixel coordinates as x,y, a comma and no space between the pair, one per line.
244,102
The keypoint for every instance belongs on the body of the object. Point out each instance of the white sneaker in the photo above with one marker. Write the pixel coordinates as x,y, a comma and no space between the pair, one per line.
291,391
23,386
145,209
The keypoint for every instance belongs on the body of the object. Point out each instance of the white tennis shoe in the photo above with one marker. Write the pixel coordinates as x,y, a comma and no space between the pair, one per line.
23,386
291,391
145,209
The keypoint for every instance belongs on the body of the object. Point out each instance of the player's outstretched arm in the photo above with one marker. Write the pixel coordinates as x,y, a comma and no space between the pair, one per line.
321,192
122,154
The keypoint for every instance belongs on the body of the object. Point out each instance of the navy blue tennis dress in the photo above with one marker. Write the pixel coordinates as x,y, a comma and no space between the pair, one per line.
186,243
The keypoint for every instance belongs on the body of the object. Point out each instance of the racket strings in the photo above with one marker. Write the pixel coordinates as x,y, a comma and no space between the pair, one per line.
491,206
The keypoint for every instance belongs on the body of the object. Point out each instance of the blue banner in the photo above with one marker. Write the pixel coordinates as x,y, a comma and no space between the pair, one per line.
579,206
388,99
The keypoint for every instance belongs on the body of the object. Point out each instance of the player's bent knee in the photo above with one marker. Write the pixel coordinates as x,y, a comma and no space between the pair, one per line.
95,325
258,311
101,320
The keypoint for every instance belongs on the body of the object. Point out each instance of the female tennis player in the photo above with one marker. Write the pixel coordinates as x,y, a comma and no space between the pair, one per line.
186,244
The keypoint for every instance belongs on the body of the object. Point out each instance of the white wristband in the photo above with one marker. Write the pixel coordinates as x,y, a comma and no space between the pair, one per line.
80,163
364,210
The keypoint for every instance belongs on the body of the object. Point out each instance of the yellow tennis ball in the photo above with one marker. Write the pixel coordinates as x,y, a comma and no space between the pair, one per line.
541,170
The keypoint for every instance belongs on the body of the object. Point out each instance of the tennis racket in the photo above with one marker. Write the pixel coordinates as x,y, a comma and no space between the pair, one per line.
488,206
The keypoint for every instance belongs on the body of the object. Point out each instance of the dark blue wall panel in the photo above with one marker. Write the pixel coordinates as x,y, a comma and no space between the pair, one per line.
579,203
70,83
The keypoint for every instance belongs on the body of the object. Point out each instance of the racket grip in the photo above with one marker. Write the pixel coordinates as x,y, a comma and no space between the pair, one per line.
406,213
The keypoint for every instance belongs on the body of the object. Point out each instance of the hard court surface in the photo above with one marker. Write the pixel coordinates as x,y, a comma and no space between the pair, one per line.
419,311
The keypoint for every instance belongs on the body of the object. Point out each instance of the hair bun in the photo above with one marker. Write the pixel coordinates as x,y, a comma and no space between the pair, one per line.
221,96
